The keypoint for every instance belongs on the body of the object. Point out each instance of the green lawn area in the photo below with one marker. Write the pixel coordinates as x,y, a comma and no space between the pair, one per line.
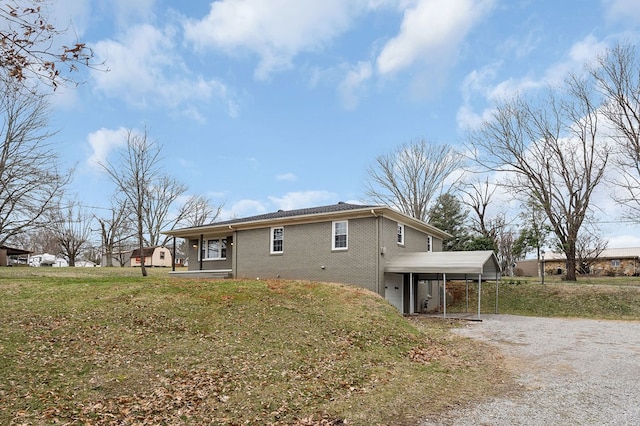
614,298
107,346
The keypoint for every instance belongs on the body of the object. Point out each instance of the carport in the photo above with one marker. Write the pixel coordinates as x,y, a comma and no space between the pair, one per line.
450,265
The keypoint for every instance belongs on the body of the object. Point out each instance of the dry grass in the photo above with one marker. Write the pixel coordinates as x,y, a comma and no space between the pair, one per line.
615,298
106,346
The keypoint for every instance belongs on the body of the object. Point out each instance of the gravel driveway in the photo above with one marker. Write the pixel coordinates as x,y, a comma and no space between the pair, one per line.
572,372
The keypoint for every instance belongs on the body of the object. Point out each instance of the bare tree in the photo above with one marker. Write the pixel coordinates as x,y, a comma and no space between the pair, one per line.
617,73
115,231
479,196
198,210
410,177
135,172
551,153
589,247
30,181
38,240
30,45
72,227
161,195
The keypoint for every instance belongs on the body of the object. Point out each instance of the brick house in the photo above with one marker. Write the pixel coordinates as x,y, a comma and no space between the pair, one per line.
615,261
344,243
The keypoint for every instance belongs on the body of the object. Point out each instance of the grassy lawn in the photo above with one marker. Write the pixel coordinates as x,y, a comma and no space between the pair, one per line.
107,346
614,298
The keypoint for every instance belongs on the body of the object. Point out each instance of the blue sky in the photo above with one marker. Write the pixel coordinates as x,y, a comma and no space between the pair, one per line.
280,104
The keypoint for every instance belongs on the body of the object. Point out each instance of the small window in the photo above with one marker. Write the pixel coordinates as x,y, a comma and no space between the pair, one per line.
340,235
400,234
277,240
216,248
162,255
615,263
429,243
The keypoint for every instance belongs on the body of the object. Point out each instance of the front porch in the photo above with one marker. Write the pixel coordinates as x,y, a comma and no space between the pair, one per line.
205,273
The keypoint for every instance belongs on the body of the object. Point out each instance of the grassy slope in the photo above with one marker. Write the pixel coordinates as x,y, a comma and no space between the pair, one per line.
105,346
614,298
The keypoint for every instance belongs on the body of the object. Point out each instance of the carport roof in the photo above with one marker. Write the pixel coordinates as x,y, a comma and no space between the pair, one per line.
456,264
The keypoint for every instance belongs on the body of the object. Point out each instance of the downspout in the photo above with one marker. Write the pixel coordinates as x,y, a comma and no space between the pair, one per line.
234,257
378,249
200,248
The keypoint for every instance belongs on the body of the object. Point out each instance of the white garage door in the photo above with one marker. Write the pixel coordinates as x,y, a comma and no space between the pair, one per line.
393,291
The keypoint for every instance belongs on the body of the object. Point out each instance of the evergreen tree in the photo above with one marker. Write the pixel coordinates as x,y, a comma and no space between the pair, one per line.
449,215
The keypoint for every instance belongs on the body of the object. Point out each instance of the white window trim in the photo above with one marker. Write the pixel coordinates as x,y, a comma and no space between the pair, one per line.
400,233
429,243
272,240
206,249
333,234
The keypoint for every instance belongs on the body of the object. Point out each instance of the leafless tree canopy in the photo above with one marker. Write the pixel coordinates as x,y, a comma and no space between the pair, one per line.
161,195
478,198
410,177
618,75
30,181
72,227
134,173
197,210
30,45
116,231
551,153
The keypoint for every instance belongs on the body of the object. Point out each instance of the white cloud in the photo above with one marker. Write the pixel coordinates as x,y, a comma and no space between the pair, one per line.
102,142
431,32
274,30
289,177
297,200
622,10
243,208
144,68
480,85
351,86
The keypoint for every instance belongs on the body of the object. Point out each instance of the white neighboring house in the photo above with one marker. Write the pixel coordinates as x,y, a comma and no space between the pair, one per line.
47,259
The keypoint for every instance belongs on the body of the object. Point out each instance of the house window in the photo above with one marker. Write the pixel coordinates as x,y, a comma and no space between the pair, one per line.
429,243
340,235
162,255
400,234
277,240
216,248
615,263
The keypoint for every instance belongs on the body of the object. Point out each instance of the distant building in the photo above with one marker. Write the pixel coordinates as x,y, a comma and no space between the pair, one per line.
10,256
157,256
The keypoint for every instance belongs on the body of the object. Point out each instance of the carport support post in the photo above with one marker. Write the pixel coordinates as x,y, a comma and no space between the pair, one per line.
411,295
479,292
444,295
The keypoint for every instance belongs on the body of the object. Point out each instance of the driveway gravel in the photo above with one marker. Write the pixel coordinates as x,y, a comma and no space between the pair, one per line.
571,372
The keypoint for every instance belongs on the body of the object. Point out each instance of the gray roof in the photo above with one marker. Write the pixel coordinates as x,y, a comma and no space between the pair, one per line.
280,214
456,264
333,211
